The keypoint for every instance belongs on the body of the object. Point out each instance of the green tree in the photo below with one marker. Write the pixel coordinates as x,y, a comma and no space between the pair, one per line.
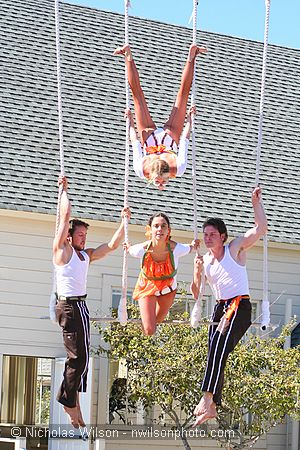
262,380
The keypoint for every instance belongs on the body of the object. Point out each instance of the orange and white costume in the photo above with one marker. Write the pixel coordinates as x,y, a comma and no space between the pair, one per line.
157,278
157,143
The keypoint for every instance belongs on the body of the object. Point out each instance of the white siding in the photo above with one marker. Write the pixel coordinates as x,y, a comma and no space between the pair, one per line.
26,283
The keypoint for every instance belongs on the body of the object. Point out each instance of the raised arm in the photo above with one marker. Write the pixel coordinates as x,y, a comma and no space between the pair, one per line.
254,234
187,129
138,155
181,160
113,244
197,276
132,132
60,239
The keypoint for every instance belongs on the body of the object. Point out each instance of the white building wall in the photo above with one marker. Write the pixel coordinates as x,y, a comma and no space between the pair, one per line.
26,284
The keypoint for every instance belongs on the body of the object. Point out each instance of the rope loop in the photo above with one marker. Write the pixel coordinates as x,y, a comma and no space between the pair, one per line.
122,309
61,146
265,300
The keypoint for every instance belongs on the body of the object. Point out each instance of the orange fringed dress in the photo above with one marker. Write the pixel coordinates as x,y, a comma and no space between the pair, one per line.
155,278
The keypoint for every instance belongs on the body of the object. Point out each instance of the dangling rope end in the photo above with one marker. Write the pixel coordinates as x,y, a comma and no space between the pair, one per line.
122,312
265,310
52,304
196,314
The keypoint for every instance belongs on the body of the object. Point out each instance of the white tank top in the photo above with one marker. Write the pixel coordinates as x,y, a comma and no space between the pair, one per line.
72,277
226,278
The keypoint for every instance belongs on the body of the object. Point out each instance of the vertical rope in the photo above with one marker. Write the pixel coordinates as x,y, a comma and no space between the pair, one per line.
193,101
61,145
262,93
265,300
196,312
122,309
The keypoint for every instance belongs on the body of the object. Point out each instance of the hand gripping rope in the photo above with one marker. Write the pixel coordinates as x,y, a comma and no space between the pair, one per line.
61,148
265,300
122,309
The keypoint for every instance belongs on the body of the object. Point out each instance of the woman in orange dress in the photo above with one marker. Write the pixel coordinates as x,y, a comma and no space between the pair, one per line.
160,154
156,286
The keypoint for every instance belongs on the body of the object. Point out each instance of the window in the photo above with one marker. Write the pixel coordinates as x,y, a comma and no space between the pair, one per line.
184,302
25,388
43,391
116,297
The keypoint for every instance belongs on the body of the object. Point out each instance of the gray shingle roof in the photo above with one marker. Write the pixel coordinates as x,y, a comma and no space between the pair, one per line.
228,91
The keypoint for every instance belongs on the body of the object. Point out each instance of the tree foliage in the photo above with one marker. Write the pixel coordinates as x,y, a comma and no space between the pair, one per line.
262,380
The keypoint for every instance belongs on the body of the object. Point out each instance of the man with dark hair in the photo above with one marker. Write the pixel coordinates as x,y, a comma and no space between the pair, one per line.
71,261
76,223
224,267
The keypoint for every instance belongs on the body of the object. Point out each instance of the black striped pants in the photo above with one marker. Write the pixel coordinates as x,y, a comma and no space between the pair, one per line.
220,345
73,317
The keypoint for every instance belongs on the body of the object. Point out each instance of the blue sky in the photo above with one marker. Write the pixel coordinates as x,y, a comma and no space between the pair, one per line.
242,18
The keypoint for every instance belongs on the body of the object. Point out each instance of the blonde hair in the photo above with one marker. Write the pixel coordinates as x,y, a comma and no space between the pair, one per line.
159,167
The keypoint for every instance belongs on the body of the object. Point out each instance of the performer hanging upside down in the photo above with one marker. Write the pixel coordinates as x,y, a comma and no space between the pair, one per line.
225,270
156,286
159,161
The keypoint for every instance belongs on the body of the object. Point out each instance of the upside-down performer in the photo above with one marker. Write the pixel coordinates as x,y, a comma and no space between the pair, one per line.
160,154
155,289
225,270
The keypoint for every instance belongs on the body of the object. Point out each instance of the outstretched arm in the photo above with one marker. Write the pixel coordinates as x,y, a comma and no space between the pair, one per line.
132,132
187,129
197,276
254,234
113,244
138,155
64,216
181,160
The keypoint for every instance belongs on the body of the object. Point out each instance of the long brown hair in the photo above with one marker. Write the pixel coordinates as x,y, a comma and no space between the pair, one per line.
158,214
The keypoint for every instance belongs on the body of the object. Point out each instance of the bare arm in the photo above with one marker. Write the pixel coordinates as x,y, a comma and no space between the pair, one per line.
187,129
113,244
132,132
254,234
60,239
197,276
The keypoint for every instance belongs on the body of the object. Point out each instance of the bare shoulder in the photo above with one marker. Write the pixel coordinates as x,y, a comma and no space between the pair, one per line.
172,244
145,244
234,245
89,251
62,256
237,252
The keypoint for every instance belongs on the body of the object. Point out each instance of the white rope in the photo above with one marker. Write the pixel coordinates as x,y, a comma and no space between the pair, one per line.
52,302
122,309
197,309
196,312
193,101
265,299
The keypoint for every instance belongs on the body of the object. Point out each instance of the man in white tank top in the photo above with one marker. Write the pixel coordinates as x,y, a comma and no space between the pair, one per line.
224,269
71,261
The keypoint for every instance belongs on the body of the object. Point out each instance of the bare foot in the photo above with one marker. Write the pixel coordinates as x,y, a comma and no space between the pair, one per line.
80,418
209,414
125,50
194,51
205,410
73,416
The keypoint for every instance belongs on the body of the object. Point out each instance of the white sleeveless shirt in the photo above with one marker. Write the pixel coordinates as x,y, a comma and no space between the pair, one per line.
226,278
71,278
